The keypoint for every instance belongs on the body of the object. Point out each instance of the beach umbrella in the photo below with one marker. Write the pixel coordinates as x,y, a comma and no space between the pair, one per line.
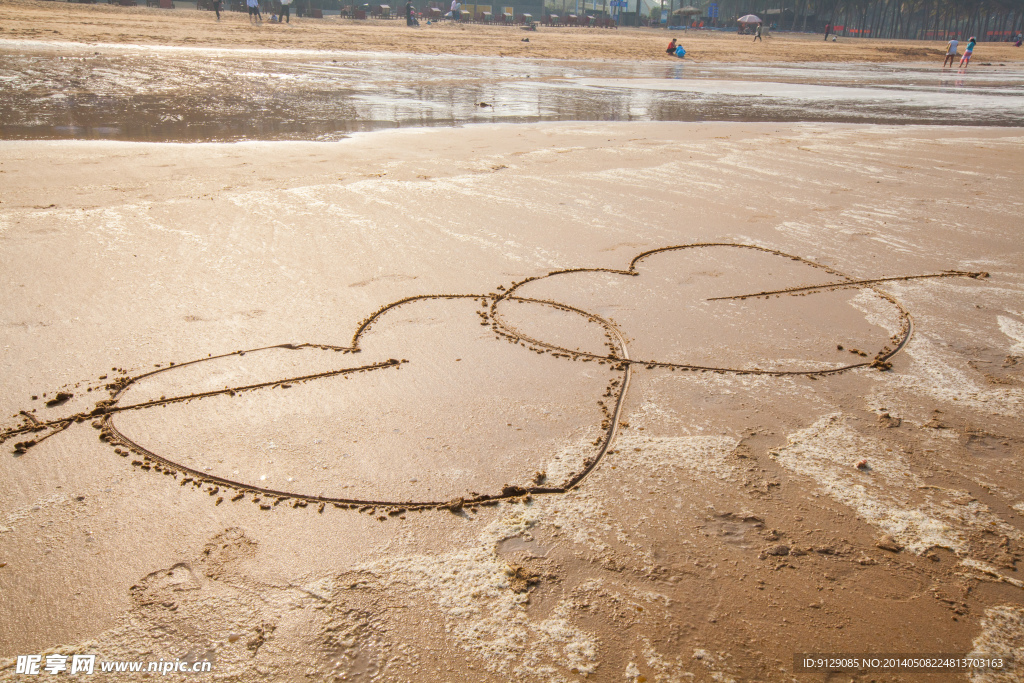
684,11
749,19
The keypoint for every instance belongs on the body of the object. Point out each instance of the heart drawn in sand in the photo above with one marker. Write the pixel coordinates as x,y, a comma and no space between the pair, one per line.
465,399
461,414
736,308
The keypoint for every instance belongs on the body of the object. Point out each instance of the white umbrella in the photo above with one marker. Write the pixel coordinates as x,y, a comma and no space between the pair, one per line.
749,19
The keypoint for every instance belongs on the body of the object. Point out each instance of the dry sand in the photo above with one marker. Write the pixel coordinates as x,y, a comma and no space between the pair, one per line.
726,529
52,21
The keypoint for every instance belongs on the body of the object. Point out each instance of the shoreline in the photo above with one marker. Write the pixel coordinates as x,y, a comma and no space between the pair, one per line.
498,127
234,51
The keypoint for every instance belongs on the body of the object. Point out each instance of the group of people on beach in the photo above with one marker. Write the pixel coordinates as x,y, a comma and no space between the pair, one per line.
673,48
256,17
951,53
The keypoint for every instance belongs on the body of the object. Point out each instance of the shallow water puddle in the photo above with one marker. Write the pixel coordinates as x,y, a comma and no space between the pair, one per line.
155,94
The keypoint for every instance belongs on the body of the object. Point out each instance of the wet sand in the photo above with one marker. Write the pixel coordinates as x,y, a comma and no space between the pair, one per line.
644,469
175,94
50,21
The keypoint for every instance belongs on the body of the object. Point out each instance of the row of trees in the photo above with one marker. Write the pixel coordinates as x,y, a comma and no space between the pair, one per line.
989,20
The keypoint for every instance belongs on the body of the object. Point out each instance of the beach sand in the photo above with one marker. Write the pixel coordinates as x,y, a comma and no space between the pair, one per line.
723,524
643,402
52,22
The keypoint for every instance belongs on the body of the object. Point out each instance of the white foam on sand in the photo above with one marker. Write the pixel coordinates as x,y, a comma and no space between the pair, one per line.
483,615
641,462
568,460
944,377
674,671
1002,635
877,311
988,570
700,457
665,387
1014,329
888,496
470,586
827,451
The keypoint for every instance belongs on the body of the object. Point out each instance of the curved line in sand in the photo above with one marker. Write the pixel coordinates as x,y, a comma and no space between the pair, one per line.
107,409
111,433
899,340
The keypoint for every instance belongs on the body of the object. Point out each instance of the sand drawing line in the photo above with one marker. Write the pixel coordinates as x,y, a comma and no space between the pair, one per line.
618,358
109,406
106,410
109,432
880,360
854,283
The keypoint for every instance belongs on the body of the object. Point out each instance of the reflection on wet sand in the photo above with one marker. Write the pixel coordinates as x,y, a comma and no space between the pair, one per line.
134,93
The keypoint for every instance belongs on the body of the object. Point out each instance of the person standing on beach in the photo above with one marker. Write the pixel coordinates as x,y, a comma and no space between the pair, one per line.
966,59
254,11
456,10
950,52
286,11
408,12
216,8
757,33
828,30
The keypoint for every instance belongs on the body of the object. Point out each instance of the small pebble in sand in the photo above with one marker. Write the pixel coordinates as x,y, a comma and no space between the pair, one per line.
887,542
862,464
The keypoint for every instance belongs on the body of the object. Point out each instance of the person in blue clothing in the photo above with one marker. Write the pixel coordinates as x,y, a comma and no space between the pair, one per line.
680,51
966,59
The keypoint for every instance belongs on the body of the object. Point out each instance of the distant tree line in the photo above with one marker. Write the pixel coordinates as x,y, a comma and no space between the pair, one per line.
988,20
